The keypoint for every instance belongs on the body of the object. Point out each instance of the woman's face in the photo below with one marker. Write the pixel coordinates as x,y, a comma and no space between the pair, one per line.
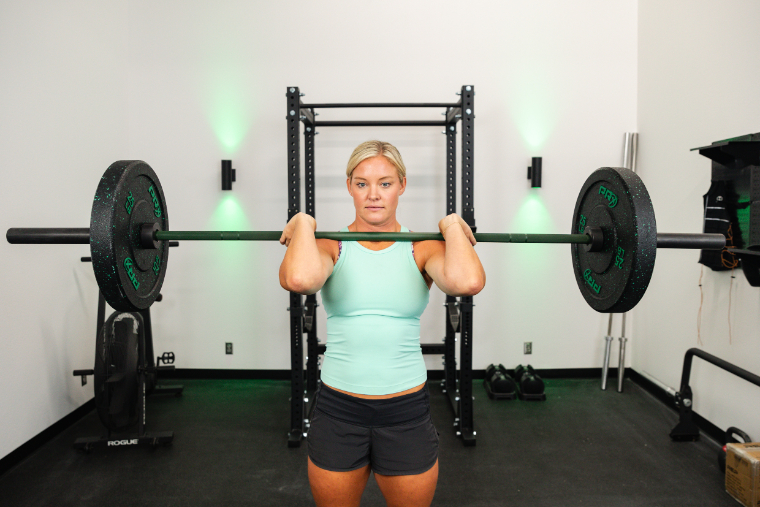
376,187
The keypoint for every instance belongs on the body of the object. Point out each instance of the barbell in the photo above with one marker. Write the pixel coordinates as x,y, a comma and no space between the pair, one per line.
613,239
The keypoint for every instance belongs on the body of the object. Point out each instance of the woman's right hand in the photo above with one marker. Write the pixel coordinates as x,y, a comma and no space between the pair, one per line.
456,219
299,220
306,266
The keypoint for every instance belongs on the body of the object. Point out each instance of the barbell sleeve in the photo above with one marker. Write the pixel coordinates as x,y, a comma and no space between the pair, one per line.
693,241
49,236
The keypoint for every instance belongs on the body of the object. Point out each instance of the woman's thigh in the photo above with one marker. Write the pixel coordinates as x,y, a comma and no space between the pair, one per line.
338,489
404,449
409,490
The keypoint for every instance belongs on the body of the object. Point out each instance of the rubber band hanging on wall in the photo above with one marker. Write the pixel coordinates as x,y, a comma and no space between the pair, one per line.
727,258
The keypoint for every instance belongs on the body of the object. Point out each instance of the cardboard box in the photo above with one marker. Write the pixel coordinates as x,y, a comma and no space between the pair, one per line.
743,473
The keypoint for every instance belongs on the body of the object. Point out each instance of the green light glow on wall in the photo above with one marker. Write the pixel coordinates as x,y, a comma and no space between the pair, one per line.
229,215
533,259
532,216
229,110
533,106
534,132
231,275
234,257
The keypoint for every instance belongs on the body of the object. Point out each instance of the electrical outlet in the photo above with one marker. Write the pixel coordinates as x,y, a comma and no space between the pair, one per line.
527,348
228,348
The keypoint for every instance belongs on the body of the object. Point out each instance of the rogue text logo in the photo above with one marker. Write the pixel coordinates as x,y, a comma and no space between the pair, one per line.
133,441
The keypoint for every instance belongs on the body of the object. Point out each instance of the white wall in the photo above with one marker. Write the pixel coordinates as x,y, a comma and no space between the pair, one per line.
698,78
183,85
63,120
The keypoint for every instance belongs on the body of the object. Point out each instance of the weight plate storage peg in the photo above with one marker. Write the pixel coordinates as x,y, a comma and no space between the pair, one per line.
129,274
615,277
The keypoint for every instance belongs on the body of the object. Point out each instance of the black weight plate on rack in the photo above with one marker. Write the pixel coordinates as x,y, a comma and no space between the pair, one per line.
115,378
129,194
615,279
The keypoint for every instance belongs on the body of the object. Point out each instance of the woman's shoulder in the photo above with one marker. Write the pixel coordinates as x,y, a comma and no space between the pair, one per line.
423,250
330,246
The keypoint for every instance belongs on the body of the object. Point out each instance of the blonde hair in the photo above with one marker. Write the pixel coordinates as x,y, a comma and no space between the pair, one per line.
369,149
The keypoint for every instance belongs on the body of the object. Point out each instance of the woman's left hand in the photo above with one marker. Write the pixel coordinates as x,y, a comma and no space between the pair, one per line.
452,220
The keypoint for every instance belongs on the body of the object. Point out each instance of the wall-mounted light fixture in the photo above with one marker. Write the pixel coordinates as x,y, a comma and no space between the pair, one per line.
534,172
228,175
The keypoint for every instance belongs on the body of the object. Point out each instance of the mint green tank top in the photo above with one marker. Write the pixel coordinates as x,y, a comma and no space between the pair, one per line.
373,302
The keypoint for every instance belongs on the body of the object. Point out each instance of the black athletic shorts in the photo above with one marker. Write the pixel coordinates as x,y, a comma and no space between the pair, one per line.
395,436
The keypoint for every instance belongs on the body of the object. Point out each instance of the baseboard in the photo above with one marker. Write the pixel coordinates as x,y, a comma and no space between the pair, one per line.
26,449
555,373
221,374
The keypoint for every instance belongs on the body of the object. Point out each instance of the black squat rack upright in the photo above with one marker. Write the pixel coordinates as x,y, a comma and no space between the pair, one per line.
456,384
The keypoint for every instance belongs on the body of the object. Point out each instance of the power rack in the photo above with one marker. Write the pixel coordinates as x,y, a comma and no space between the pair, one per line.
456,383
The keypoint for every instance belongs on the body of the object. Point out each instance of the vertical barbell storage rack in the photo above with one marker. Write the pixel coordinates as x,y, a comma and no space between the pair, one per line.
457,383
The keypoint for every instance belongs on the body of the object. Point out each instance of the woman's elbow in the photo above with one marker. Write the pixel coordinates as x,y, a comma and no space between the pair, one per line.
475,287
471,287
300,284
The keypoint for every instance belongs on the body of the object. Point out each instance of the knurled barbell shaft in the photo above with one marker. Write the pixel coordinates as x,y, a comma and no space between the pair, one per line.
82,236
370,236
664,240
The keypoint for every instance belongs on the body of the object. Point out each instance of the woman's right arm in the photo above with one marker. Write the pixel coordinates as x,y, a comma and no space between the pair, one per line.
306,266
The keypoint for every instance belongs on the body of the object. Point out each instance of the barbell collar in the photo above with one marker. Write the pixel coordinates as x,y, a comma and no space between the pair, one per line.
148,235
597,239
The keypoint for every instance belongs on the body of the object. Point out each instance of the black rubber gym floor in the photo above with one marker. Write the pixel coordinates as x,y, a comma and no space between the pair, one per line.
582,446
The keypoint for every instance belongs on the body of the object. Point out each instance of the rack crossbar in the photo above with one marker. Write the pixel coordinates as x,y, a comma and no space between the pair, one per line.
379,104
386,123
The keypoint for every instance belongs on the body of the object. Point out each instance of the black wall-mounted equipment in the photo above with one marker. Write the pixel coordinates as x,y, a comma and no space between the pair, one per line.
732,204
534,172
228,175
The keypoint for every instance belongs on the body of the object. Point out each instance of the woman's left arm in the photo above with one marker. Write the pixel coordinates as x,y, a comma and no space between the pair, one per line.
453,264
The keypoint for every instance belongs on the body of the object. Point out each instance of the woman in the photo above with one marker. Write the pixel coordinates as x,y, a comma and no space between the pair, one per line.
372,410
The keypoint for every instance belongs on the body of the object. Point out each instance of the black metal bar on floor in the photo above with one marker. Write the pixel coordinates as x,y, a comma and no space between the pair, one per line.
686,429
